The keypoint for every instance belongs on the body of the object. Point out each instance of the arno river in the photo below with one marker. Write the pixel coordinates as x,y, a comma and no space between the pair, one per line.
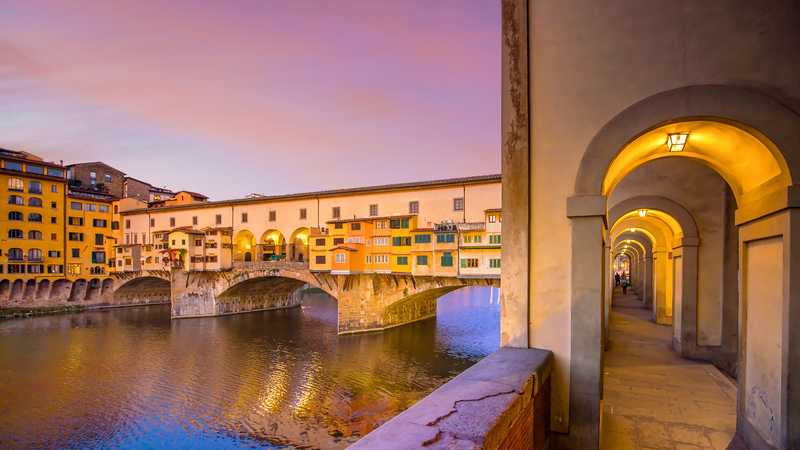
132,378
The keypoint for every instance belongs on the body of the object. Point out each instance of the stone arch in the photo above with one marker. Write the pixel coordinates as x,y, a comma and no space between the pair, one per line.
43,290
17,288
107,287
298,245
60,290
78,290
244,246
29,294
272,245
764,118
92,290
144,289
5,290
672,208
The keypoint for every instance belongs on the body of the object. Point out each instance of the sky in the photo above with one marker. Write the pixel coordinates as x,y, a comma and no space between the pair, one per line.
229,98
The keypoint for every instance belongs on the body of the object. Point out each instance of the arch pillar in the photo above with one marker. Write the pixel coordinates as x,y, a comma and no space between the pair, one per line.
587,215
684,303
661,310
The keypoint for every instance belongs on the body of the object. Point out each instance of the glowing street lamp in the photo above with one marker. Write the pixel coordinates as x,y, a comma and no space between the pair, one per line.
677,141
642,212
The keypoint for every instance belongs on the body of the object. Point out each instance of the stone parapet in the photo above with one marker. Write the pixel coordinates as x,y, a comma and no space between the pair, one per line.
501,402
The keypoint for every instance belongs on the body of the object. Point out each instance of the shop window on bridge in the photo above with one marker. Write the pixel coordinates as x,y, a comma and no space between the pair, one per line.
445,238
447,259
422,239
422,260
16,268
73,269
471,263
402,260
35,268
320,259
55,268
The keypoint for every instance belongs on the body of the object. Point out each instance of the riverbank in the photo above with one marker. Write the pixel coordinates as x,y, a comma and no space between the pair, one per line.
19,312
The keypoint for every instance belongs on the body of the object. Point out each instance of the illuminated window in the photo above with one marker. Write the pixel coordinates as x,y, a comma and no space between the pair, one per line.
15,184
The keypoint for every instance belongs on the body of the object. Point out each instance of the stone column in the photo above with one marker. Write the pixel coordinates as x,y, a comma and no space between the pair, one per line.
647,281
685,341
659,307
587,217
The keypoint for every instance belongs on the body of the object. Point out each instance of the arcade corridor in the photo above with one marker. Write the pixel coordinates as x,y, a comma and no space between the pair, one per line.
654,398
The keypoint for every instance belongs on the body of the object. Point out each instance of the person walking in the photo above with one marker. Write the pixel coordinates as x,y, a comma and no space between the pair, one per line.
624,286
616,279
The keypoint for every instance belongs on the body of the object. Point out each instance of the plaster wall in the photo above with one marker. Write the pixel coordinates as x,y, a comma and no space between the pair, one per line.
703,193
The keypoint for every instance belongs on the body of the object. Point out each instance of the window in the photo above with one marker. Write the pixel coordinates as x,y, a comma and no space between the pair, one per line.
115,225
492,218
494,263
93,177
171,221
75,221
355,226
273,216
320,259
399,223
458,204
53,205
152,222
55,268
35,268
116,209
15,200
76,206
198,242
16,268
194,220
127,223
30,168
54,188
218,219
34,187
15,184
303,213
477,239
36,202
373,210
15,254
98,257
338,241
54,254
90,207
98,239
75,237
14,215
244,217
337,225
445,238
494,239
55,172
53,236
413,207
34,254
336,212
469,263
320,242
107,177
447,259
15,234
341,257
422,239
76,253
422,260
381,241
35,217
399,241
183,241
99,223
402,260
54,220
13,165
102,208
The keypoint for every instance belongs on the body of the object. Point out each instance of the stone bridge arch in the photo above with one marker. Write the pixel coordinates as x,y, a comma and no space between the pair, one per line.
136,288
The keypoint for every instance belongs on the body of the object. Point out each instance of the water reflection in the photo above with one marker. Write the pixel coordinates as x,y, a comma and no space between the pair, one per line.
132,378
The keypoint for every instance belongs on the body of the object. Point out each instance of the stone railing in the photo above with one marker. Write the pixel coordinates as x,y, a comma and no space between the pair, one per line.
268,265
501,402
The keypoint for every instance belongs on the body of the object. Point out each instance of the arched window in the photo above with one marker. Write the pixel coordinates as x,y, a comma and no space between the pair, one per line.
15,200
15,234
14,215
15,254
35,201
34,254
15,184
35,234
34,217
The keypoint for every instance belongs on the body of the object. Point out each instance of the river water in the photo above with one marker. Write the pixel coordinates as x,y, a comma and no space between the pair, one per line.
132,378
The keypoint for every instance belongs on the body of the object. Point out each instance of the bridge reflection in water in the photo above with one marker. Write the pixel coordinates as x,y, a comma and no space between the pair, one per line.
132,377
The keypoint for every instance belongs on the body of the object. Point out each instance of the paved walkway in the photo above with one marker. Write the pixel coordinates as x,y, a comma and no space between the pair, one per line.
655,399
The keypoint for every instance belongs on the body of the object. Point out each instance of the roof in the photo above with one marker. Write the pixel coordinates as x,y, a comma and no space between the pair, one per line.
193,194
344,247
26,157
95,163
492,210
479,179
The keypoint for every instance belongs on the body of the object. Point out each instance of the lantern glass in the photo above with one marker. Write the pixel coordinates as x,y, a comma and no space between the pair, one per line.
677,141
642,212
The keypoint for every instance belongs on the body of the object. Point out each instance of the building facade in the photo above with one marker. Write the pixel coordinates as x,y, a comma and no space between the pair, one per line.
96,176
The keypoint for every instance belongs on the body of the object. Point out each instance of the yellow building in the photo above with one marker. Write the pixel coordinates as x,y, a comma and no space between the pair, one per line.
32,223
89,236
319,242
480,246
400,231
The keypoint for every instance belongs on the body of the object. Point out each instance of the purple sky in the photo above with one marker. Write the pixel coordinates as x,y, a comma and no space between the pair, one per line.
228,98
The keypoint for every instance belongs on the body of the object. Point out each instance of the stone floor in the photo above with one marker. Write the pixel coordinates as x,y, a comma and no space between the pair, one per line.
655,399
